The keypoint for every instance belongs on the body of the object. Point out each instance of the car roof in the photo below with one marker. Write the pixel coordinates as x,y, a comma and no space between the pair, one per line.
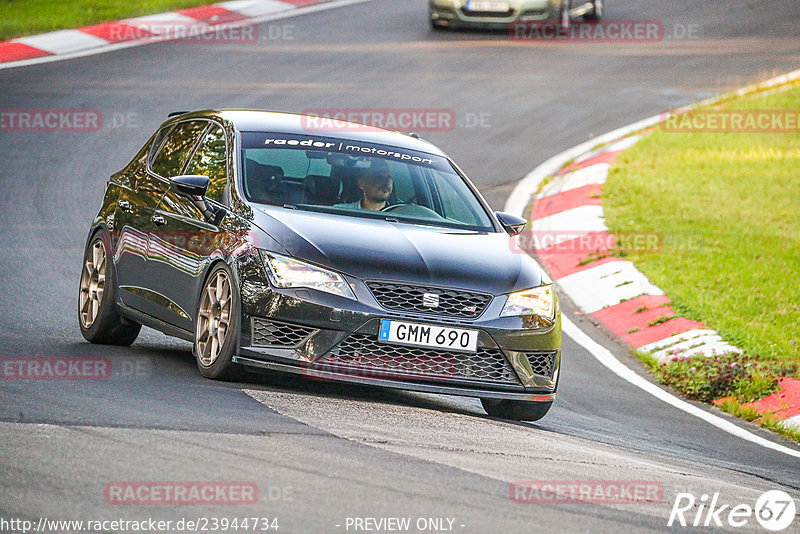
251,120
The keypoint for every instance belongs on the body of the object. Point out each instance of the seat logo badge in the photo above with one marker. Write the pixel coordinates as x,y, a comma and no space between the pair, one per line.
430,300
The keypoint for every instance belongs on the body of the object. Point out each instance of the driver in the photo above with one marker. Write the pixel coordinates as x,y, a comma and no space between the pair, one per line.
376,186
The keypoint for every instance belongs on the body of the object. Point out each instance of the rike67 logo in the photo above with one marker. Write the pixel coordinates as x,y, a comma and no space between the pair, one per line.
774,510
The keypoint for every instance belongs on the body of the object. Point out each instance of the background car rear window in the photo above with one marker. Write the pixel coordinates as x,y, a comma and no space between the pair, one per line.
172,157
210,160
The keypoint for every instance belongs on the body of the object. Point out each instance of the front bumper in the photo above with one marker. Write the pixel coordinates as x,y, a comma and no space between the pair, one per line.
323,336
452,14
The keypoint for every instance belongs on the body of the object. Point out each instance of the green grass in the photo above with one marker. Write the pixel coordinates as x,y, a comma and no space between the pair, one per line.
768,421
706,379
728,208
28,17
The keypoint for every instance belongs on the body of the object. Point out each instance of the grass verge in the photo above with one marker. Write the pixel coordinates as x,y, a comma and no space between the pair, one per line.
727,206
29,17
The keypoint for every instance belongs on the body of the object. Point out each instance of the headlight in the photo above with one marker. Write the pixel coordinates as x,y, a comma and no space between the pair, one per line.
537,301
287,272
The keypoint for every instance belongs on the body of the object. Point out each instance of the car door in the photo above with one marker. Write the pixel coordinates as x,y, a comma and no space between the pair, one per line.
131,227
139,289
187,231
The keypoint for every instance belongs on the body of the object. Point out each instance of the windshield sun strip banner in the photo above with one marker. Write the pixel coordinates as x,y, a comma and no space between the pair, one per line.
254,140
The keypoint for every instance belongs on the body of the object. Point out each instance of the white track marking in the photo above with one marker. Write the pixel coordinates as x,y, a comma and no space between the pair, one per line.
591,175
255,8
707,346
572,223
792,422
677,338
162,19
65,41
623,144
606,285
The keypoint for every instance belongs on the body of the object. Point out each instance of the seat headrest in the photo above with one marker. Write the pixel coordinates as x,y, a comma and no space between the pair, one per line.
321,189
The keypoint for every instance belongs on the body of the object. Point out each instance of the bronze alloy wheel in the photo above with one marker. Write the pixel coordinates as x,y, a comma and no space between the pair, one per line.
217,325
213,318
98,316
93,282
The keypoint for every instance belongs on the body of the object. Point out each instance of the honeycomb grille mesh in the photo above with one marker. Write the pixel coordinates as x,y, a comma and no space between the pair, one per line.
274,334
409,298
542,363
373,358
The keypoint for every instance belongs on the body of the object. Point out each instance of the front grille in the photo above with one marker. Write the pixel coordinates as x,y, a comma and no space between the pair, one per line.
363,355
498,14
411,298
275,334
535,14
542,363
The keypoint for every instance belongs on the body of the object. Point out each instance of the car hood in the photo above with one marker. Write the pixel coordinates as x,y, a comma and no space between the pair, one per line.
372,249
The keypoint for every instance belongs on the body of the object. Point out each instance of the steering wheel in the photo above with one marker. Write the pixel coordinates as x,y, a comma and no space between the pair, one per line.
413,210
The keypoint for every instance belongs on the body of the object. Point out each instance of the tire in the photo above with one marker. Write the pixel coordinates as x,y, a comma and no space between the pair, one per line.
516,410
98,317
436,26
217,325
597,13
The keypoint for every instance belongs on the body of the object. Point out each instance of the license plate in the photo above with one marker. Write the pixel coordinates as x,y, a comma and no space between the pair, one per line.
427,335
488,6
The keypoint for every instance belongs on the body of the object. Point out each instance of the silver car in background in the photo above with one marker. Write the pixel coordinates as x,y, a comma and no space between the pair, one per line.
502,13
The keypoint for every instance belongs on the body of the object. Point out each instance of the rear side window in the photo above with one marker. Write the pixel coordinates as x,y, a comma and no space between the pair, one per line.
172,157
210,160
158,140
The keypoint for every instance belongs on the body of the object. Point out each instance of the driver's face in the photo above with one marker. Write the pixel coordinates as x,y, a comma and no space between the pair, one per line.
377,187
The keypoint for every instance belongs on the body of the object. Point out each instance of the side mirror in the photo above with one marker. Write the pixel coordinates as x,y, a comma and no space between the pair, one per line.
511,223
190,184
194,187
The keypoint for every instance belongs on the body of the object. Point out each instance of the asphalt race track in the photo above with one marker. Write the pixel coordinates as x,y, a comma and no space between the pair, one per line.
320,452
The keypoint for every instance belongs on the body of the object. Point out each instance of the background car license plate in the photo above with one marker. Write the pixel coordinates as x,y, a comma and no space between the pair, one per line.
426,335
488,6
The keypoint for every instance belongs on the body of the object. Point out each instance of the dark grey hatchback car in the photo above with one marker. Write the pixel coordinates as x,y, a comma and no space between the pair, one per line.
334,250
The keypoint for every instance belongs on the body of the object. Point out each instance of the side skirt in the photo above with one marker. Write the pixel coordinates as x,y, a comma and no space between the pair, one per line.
152,322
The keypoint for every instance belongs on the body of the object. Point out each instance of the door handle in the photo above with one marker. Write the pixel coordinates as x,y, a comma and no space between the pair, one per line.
124,205
158,220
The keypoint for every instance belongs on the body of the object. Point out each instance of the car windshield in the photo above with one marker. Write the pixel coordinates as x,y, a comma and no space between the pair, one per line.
358,179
